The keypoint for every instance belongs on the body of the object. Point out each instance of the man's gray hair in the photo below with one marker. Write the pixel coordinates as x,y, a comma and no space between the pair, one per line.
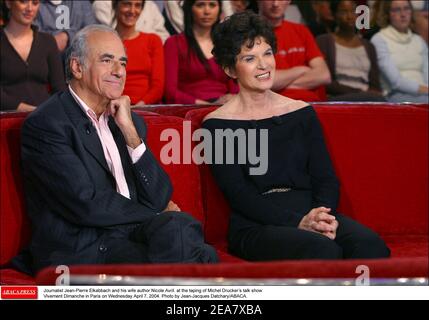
78,48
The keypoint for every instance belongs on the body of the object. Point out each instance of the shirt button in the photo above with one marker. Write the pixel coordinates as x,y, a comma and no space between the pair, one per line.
102,248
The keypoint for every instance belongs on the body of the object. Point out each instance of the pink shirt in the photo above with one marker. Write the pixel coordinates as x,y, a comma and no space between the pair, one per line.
110,149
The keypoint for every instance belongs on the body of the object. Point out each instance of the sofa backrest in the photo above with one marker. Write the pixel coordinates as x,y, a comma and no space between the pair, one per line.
380,155
14,225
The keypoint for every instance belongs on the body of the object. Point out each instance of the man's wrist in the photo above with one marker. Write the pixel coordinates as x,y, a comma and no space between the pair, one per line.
131,136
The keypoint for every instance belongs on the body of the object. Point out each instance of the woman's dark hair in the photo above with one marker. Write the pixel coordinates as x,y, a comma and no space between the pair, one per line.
189,32
334,7
253,6
4,12
238,30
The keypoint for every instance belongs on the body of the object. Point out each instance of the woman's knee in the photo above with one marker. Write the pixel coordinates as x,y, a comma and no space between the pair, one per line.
372,246
323,248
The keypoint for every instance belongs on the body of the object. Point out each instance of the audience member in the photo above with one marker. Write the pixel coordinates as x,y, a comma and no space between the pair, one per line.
145,67
352,60
243,5
173,12
150,20
402,55
192,74
301,71
64,24
30,61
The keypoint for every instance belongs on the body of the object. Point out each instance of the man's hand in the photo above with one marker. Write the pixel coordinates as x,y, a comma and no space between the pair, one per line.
62,39
120,110
172,207
319,220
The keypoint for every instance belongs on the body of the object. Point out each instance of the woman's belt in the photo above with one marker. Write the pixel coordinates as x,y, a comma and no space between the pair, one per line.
277,190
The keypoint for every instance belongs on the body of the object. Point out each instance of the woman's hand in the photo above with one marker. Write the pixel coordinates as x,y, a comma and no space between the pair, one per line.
319,220
139,104
224,99
24,107
423,89
199,101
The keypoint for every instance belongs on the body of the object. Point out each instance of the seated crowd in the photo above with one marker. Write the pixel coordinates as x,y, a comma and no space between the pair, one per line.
321,55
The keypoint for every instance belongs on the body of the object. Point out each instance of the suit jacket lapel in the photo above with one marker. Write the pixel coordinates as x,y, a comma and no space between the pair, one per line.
85,129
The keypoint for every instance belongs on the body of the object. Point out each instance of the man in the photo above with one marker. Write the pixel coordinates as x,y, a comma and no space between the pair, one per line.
95,193
301,71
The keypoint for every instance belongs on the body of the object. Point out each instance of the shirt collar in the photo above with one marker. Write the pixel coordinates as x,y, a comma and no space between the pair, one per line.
87,110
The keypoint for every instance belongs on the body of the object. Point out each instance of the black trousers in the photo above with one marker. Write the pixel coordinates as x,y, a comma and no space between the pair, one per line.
353,241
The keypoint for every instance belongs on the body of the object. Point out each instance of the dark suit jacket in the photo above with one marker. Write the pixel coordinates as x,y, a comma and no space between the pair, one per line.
71,194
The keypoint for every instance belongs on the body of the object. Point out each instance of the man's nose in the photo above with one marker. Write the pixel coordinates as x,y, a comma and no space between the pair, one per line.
118,69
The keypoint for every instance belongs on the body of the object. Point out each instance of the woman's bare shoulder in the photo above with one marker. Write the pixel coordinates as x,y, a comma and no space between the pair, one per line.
223,112
285,104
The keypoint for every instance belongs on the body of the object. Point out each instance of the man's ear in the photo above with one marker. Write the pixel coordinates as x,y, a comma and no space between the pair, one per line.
230,72
76,68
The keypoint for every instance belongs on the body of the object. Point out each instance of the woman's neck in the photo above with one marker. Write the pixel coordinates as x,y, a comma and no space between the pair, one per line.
254,103
404,31
201,33
126,33
18,30
346,34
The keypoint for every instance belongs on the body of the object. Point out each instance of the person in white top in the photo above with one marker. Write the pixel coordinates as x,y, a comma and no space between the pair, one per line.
150,20
402,55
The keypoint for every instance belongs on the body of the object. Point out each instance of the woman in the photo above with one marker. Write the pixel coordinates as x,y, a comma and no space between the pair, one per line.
192,74
145,67
402,55
289,212
30,62
352,60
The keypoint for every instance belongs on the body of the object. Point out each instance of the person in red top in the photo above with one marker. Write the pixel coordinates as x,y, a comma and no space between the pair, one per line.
301,71
145,68
192,74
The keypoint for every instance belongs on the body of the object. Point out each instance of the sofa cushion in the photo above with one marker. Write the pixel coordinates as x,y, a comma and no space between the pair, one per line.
14,224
